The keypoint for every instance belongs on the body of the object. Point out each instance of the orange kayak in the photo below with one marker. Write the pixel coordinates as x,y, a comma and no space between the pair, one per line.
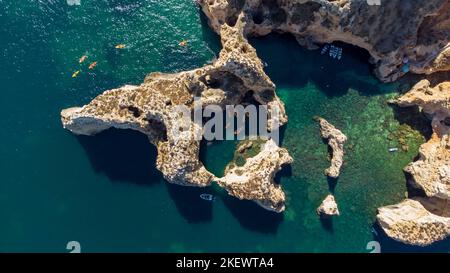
75,74
92,65
183,43
83,58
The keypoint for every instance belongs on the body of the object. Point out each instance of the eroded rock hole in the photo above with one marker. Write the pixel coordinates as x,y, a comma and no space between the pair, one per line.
258,17
304,13
278,16
157,128
446,121
267,95
136,112
231,20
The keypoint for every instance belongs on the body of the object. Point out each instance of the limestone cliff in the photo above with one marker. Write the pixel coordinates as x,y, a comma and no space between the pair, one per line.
425,220
328,207
153,107
411,223
336,140
254,179
395,33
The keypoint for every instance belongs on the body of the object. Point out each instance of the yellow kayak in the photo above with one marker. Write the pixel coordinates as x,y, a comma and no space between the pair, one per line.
75,74
120,46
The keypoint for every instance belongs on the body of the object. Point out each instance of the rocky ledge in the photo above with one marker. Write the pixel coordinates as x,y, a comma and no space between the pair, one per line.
328,207
396,33
424,220
254,179
336,140
431,173
151,108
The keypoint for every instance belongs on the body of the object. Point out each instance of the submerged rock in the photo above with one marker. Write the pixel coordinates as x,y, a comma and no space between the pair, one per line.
400,35
422,221
328,207
336,140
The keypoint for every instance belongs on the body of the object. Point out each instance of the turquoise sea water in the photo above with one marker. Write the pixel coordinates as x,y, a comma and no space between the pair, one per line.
105,192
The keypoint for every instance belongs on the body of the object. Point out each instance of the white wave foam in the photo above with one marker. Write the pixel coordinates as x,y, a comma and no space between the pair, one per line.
73,2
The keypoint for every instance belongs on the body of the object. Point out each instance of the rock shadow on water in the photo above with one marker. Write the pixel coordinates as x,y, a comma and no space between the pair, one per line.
123,156
282,133
412,190
286,171
189,204
290,65
252,216
332,182
209,35
327,223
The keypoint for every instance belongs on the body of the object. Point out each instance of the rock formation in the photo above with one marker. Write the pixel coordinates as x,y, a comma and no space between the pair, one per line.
328,207
336,140
154,108
425,220
254,180
397,33
431,173
411,223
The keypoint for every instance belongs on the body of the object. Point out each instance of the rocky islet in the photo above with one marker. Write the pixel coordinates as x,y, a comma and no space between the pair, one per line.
424,218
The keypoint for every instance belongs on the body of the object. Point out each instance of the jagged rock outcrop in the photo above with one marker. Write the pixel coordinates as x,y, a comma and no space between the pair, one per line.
424,220
328,207
431,173
154,108
336,140
411,223
147,110
396,33
254,180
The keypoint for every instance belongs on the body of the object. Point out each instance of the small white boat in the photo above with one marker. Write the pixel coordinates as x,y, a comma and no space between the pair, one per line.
339,55
391,150
325,49
335,52
332,51
374,231
207,197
